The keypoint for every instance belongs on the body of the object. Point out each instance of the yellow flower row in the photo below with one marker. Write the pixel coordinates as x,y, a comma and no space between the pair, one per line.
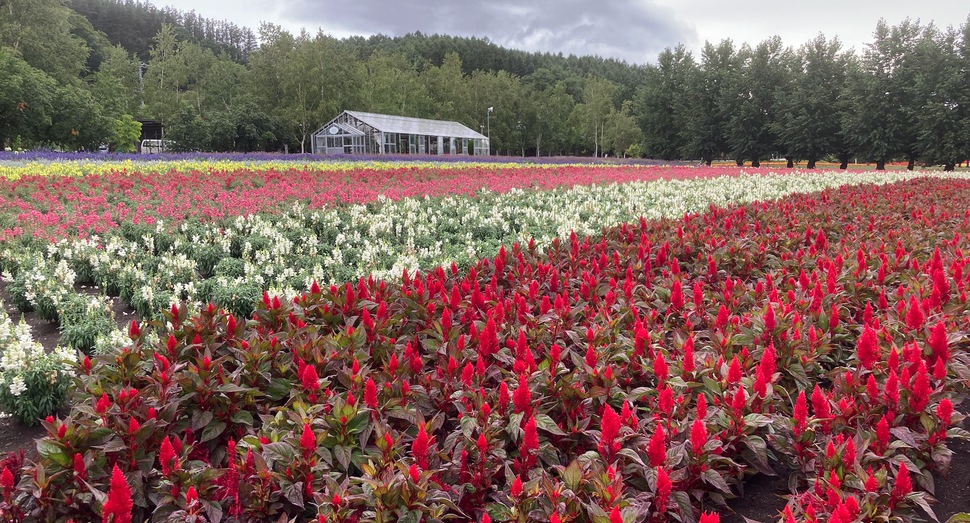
86,167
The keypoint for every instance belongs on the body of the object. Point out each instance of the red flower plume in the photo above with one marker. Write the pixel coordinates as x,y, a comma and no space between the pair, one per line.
118,504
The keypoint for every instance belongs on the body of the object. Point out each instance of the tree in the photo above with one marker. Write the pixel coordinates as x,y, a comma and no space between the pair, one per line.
41,31
662,104
622,130
115,84
879,121
125,133
707,115
942,87
809,115
752,100
594,113
26,100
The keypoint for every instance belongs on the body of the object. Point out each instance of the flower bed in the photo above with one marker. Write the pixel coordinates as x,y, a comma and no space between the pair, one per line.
640,374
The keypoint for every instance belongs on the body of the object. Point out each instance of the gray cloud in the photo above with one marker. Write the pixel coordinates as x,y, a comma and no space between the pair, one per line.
634,31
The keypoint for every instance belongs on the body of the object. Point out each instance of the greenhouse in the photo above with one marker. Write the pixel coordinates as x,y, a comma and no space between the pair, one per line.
354,132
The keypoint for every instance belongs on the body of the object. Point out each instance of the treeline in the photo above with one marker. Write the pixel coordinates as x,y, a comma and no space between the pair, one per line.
133,25
74,81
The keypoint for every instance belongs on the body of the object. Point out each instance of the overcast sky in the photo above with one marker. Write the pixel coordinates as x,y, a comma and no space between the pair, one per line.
631,30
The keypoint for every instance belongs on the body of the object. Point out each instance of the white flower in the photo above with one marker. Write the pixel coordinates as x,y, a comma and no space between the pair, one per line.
17,385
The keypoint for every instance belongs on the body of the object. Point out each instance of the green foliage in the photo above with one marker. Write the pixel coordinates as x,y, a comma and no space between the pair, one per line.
82,321
125,134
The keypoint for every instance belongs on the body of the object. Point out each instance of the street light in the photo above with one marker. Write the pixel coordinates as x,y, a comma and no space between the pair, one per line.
488,120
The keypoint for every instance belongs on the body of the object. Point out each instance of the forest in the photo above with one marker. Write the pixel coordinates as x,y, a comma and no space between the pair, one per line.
77,74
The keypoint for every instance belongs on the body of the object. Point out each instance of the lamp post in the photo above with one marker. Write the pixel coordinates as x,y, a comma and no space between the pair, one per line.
488,120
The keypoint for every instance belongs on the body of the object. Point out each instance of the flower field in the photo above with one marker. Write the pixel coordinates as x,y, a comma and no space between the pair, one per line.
502,343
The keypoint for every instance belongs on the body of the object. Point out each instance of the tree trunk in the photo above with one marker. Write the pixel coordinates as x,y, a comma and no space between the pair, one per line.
755,163
912,164
881,165
707,161
739,162
845,161
811,164
791,163
950,166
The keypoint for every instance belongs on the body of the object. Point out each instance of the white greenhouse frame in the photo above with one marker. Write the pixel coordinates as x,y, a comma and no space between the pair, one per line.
354,132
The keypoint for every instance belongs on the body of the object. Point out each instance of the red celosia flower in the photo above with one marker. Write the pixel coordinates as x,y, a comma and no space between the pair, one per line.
664,487
882,433
591,357
800,413
867,349
770,318
133,330
892,389
555,354
944,411
872,484
914,314
503,396
848,456
370,394
609,430
615,516
939,343
530,441
660,367
166,456
133,426
657,448
701,406
419,447
486,519
308,441
820,404
516,489
920,391
698,437
738,402
6,480
734,371
414,473
688,359
79,469
666,401
482,444
903,486
103,404
710,517
769,362
676,296
191,497
117,507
